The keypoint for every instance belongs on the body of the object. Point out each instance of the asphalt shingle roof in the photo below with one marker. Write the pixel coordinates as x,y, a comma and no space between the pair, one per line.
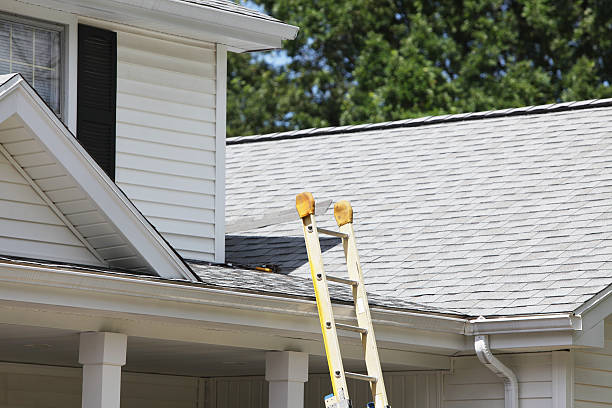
505,214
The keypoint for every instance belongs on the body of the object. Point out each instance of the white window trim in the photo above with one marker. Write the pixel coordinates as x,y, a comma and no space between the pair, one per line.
69,51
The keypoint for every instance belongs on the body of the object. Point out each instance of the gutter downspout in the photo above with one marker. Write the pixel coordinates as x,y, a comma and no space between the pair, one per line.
486,357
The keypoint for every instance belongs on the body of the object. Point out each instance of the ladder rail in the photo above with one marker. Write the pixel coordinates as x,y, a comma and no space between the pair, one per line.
343,213
305,206
364,318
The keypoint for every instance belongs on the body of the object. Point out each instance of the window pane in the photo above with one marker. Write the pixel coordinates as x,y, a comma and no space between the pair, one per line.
35,52
5,30
22,43
24,70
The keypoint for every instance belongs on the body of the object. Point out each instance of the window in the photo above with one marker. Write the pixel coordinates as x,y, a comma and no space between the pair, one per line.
33,49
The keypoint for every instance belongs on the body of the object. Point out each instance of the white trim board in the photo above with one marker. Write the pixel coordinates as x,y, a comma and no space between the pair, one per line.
238,31
19,100
220,129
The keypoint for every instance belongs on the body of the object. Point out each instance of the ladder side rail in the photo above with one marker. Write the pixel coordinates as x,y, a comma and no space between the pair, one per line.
324,304
344,218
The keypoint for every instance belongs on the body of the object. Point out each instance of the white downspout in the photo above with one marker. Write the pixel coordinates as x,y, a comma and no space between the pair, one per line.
511,387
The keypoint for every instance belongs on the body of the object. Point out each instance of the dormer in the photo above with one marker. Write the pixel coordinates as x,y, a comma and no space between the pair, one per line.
142,86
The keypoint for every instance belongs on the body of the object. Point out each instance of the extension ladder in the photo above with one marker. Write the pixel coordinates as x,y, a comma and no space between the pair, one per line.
343,213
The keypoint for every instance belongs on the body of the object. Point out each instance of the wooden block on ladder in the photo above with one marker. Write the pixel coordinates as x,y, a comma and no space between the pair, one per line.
343,213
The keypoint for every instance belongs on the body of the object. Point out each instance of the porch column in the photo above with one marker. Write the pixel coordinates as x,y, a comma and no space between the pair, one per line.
102,355
286,371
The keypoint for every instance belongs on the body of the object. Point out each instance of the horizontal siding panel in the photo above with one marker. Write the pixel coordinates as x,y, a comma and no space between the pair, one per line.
28,212
592,393
19,193
203,52
179,213
204,245
9,174
166,137
190,96
593,377
160,151
185,227
166,181
57,234
473,385
152,120
593,374
156,59
143,193
137,162
593,361
46,250
135,72
165,108
196,255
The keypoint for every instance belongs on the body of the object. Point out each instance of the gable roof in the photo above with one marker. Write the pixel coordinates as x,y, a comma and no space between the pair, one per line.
494,213
65,177
232,7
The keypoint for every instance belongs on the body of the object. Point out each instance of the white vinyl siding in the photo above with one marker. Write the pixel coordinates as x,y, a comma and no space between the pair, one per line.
36,386
472,385
406,390
28,226
593,374
31,228
166,138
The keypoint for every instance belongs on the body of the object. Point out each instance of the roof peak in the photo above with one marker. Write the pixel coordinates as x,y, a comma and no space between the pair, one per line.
425,120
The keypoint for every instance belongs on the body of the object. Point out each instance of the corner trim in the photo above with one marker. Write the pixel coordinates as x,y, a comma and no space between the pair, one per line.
220,130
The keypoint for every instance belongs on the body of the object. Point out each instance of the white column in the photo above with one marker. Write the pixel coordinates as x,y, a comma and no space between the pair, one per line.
286,371
102,355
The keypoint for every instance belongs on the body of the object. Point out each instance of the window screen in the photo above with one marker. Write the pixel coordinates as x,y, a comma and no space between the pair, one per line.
34,50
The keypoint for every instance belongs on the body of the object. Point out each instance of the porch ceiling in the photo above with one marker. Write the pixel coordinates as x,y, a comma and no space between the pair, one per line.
48,346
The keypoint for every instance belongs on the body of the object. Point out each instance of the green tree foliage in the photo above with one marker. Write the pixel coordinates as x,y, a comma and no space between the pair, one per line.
358,61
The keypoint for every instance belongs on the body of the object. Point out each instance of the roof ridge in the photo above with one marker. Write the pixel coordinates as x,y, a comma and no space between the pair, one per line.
425,120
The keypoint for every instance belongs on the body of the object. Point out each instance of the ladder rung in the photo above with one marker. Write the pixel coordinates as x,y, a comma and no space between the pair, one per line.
361,377
342,280
332,233
351,328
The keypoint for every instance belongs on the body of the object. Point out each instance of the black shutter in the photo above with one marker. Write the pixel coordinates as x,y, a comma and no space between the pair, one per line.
97,94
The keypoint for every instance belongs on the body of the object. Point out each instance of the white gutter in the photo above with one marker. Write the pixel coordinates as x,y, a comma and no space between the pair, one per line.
511,387
524,324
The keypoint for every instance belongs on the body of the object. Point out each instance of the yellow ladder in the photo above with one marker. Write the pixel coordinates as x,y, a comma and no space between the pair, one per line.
343,213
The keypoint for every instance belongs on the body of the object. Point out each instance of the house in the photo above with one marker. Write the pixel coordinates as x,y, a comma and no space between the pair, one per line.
119,286
500,218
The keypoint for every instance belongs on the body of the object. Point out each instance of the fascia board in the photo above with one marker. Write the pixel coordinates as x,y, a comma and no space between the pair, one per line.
215,307
183,19
68,151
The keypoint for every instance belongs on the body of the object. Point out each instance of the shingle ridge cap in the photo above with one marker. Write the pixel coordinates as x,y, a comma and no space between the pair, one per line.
422,121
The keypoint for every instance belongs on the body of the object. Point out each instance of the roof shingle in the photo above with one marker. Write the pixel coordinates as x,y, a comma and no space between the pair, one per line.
503,215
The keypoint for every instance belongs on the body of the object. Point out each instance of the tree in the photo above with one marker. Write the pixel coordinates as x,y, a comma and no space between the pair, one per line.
358,61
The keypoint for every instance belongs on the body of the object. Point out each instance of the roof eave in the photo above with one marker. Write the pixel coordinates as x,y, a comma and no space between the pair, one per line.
237,31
